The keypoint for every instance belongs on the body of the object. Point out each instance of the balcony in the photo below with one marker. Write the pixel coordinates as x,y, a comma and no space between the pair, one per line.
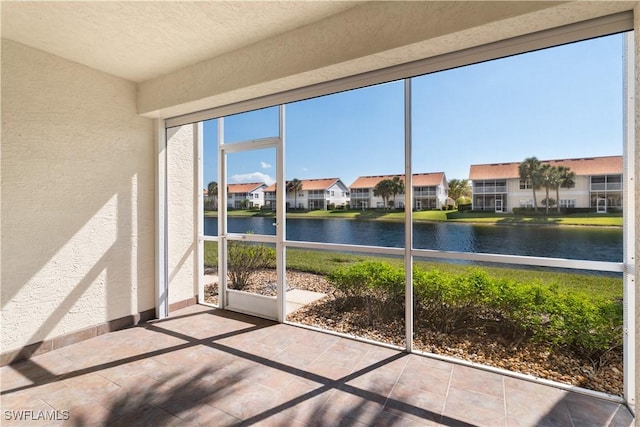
490,190
205,366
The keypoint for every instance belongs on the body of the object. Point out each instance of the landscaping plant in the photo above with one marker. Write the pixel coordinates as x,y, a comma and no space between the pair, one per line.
244,259
519,310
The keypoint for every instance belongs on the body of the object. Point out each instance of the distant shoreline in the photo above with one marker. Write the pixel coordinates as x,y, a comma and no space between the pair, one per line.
573,220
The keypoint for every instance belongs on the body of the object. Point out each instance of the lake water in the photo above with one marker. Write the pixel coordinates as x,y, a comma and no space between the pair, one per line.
589,243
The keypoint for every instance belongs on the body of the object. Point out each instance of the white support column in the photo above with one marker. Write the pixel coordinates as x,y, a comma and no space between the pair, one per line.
222,217
281,226
161,288
199,220
631,207
408,218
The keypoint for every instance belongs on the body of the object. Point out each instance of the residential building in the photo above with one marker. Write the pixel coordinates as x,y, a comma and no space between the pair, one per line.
430,191
314,194
597,185
245,196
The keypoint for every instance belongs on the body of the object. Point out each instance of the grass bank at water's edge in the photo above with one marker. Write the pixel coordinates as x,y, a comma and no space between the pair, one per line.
489,218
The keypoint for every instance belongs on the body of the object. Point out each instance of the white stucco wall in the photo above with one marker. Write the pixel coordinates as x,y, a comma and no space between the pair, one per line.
580,193
317,52
77,172
181,213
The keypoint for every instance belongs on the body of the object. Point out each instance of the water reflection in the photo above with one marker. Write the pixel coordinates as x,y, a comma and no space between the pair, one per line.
589,243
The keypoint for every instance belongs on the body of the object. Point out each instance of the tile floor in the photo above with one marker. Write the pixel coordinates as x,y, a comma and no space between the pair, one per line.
211,367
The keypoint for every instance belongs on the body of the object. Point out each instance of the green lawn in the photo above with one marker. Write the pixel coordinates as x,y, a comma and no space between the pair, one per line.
606,220
324,262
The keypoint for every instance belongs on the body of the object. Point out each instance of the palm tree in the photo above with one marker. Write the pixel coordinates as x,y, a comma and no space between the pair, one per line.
294,185
549,178
529,170
397,187
566,179
212,191
384,189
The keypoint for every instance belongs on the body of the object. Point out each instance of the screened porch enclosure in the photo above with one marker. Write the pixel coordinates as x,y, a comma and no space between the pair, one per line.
376,311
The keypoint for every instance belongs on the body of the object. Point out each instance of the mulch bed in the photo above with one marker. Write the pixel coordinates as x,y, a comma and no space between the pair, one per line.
478,346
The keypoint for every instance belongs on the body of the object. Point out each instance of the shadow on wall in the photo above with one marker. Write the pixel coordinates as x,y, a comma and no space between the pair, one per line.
77,192
181,215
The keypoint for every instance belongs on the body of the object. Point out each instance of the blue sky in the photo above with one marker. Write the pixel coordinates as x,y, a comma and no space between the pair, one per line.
563,102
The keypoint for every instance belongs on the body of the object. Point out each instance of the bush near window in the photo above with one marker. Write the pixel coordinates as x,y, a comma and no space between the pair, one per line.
377,285
245,259
523,311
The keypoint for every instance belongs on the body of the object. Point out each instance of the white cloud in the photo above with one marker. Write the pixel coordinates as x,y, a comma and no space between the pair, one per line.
265,165
252,177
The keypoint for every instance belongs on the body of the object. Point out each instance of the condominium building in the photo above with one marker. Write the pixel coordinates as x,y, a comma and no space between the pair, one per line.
322,193
243,196
597,185
430,191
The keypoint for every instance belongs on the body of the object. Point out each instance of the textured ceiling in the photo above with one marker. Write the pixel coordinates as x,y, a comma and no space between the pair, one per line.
140,40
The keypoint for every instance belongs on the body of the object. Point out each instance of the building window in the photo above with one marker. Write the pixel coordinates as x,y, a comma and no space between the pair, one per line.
567,203
598,183
525,184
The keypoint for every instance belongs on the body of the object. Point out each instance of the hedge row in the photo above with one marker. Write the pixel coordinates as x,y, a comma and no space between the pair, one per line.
449,302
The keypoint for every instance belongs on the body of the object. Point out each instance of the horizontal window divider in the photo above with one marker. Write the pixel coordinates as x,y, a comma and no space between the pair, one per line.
576,264
253,144
342,247
204,238
260,238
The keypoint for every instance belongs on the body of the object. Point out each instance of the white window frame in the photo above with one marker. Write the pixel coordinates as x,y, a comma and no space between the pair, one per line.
552,37
567,203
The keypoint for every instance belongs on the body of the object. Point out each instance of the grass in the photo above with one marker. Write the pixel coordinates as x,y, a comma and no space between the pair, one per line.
603,220
324,262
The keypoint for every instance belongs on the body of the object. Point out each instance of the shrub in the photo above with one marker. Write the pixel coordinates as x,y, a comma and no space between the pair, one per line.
376,285
449,302
464,207
244,259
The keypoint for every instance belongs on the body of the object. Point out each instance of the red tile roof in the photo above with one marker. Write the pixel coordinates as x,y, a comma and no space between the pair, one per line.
244,188
318,184
581,167
310,184
419,180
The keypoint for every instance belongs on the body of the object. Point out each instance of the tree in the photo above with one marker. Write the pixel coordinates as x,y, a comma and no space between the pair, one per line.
566,179
384,189
212,192
529,170
459,188
294,185
549,178
397,187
